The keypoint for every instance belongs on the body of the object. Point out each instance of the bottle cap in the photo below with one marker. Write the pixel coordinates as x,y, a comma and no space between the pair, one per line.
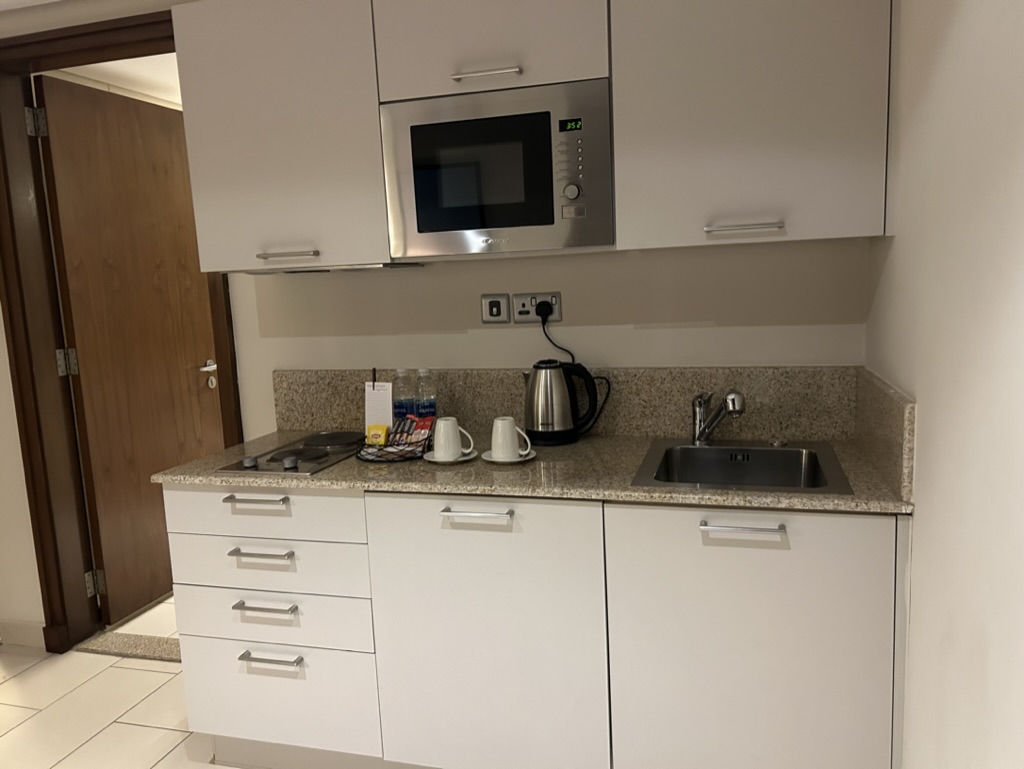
400,371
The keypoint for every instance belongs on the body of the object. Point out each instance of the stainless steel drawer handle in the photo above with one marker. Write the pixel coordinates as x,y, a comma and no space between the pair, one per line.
237,552
722,229
231,499
314,254
246,656
447,512
458,77
243,606
780,529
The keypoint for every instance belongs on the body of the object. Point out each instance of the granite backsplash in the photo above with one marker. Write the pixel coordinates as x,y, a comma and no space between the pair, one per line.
818,403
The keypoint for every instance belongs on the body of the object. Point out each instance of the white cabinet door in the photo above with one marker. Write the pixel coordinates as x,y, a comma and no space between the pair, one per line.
737,650
283,131
731,113
420,45
490,632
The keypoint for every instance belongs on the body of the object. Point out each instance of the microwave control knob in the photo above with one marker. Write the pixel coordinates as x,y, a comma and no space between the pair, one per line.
572,191
250,463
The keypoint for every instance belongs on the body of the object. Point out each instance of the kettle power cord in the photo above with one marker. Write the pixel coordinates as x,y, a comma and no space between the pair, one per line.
544,311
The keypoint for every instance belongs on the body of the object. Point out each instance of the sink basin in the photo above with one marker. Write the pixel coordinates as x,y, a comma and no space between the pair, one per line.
805,467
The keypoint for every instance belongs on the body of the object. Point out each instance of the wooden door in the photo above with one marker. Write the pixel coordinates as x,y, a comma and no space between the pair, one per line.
744,649
489,631
138,312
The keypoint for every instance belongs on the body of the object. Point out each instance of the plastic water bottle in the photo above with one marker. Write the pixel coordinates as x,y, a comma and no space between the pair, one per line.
403,395
426,395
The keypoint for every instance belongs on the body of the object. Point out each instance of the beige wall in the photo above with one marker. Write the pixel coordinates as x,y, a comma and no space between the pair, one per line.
766,304
21,602
947,328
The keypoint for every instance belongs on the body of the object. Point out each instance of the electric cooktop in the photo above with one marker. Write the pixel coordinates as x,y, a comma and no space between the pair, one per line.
303,457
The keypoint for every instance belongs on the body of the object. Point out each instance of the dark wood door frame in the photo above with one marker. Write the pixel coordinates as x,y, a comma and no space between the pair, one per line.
31,313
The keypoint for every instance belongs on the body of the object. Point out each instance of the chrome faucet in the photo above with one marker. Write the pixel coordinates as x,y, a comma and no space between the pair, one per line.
733,404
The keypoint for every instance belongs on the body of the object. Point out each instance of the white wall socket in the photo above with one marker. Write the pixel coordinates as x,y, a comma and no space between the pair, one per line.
524,306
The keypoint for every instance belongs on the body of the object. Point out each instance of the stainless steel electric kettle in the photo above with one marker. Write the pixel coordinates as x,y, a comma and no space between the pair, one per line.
553,415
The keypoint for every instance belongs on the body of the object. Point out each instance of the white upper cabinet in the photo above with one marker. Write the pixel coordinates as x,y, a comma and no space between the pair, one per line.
489,627
761,120
734,644
424,47
283,131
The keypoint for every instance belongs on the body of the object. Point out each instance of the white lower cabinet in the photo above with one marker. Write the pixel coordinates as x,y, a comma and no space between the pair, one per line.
312,698
490,631
750,650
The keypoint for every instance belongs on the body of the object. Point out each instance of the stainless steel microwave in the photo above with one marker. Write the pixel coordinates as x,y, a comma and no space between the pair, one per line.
528,169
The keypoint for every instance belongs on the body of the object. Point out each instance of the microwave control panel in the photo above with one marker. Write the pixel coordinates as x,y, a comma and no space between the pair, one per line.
570,168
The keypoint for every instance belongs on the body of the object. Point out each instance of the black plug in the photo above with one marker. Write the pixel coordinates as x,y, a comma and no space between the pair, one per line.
544,311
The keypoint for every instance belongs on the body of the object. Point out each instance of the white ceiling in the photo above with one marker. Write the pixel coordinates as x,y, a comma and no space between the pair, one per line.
155,76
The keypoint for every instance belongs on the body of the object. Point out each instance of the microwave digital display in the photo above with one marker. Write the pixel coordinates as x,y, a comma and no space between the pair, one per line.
572,124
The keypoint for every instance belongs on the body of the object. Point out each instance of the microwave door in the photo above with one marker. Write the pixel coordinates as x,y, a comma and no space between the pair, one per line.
483,175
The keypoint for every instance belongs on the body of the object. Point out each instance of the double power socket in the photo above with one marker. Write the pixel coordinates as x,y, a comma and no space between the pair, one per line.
496,308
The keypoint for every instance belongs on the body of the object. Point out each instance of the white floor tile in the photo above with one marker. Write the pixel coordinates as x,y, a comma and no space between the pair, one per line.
15,659
123,746
158,621
49,736
170,600
155,665
50,679
11,716
194,752
164,708
174,635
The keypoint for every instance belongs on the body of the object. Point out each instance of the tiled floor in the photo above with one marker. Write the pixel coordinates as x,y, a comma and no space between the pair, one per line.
87,711
157,621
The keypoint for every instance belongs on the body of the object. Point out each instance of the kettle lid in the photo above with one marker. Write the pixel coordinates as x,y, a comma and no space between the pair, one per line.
547,364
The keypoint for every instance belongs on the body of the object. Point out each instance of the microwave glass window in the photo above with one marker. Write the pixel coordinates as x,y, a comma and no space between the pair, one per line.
487,174
482,174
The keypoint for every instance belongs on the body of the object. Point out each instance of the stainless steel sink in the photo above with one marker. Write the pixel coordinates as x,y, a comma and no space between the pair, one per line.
805,467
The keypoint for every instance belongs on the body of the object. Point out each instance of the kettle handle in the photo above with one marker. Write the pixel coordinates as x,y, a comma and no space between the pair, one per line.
583,422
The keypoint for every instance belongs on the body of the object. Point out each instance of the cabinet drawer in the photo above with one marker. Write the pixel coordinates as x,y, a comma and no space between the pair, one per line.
328,700
271,514
288,618
421,45
283,565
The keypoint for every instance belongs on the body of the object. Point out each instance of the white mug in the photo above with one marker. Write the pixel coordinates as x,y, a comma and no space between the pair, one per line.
448,440
505,442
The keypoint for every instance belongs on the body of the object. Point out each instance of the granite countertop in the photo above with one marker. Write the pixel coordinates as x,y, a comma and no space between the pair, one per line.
597,468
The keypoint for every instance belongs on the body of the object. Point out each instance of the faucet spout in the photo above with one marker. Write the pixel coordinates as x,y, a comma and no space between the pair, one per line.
733,404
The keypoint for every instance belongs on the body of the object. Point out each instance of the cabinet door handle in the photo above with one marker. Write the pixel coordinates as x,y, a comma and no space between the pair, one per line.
780,529
458,77
313,254
722,229
231,499
247,656
447,512
243,606
237,552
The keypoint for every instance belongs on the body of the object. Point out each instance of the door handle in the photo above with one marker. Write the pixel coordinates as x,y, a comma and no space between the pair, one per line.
243,606
458,77
209,368
247,656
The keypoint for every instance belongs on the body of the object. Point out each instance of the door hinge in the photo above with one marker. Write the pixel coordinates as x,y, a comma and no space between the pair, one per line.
35,121
67,362
95,583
